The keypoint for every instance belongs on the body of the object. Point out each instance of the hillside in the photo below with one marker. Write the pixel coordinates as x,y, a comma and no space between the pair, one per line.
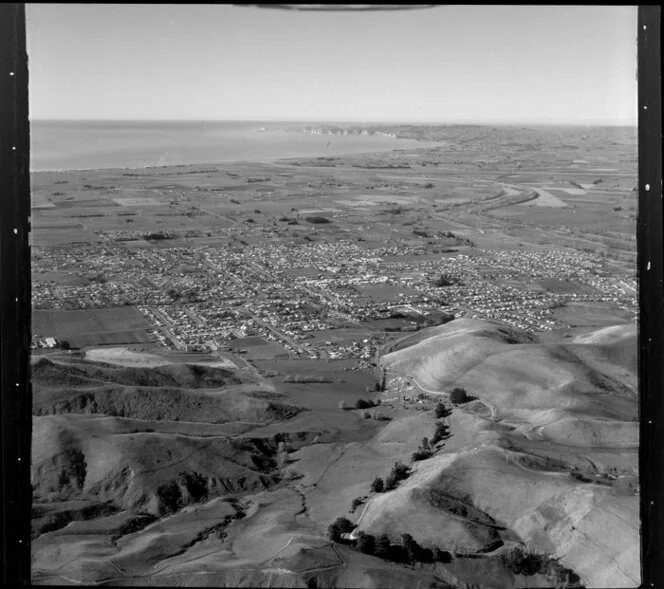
186,392
550,468
146,440
212,471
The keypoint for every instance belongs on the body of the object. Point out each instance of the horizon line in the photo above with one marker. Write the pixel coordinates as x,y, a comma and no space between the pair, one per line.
487,122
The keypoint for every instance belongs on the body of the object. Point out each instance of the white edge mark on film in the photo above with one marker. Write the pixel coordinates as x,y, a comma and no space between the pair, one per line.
648,266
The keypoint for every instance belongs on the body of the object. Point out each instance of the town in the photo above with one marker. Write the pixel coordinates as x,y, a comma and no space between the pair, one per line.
207,298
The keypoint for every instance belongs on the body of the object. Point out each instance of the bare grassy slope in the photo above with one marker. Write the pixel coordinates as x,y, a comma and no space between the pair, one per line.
148,472
524,377
171,450
174,392
557,406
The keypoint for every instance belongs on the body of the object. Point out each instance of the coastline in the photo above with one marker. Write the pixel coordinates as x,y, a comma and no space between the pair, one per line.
63,146
427,145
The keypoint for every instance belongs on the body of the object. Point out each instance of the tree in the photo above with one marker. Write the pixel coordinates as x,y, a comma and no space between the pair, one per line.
383,546
356,503
366,543
421,454
390,482
441,411
458,396
445,280
340,526
425,443
411,547
65,345
525,563
440,433
378,486
424,554
442,555
400,470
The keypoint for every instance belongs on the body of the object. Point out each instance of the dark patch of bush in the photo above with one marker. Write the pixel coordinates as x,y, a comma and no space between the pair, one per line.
340,526
446,280
522,562
170,498
525,563
442,432
459,396
390,482
441,411
580,477
383,547
378,485
366,543
157,236
132,525
421,454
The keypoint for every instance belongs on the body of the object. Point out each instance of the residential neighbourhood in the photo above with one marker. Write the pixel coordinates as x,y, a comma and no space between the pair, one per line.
287,294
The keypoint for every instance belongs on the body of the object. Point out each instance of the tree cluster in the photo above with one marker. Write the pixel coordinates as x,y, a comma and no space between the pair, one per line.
157,235
445,280
356,503
442,432
523,562
408,552
398,473
459,395
424,451
378,485
441,411
340,526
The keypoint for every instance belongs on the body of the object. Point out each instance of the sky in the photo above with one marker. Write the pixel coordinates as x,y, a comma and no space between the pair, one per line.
477,64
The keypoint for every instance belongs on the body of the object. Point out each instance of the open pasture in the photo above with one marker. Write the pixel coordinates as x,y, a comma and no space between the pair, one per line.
384,293
60,236
591,216
558,286
89,327
138,201
596,314
257,348
323,384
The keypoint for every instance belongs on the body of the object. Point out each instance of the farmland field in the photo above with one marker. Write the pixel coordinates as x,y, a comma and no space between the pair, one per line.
90,327
59,236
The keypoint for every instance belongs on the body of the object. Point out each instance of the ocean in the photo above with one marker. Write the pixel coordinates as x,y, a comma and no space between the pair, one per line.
78,145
